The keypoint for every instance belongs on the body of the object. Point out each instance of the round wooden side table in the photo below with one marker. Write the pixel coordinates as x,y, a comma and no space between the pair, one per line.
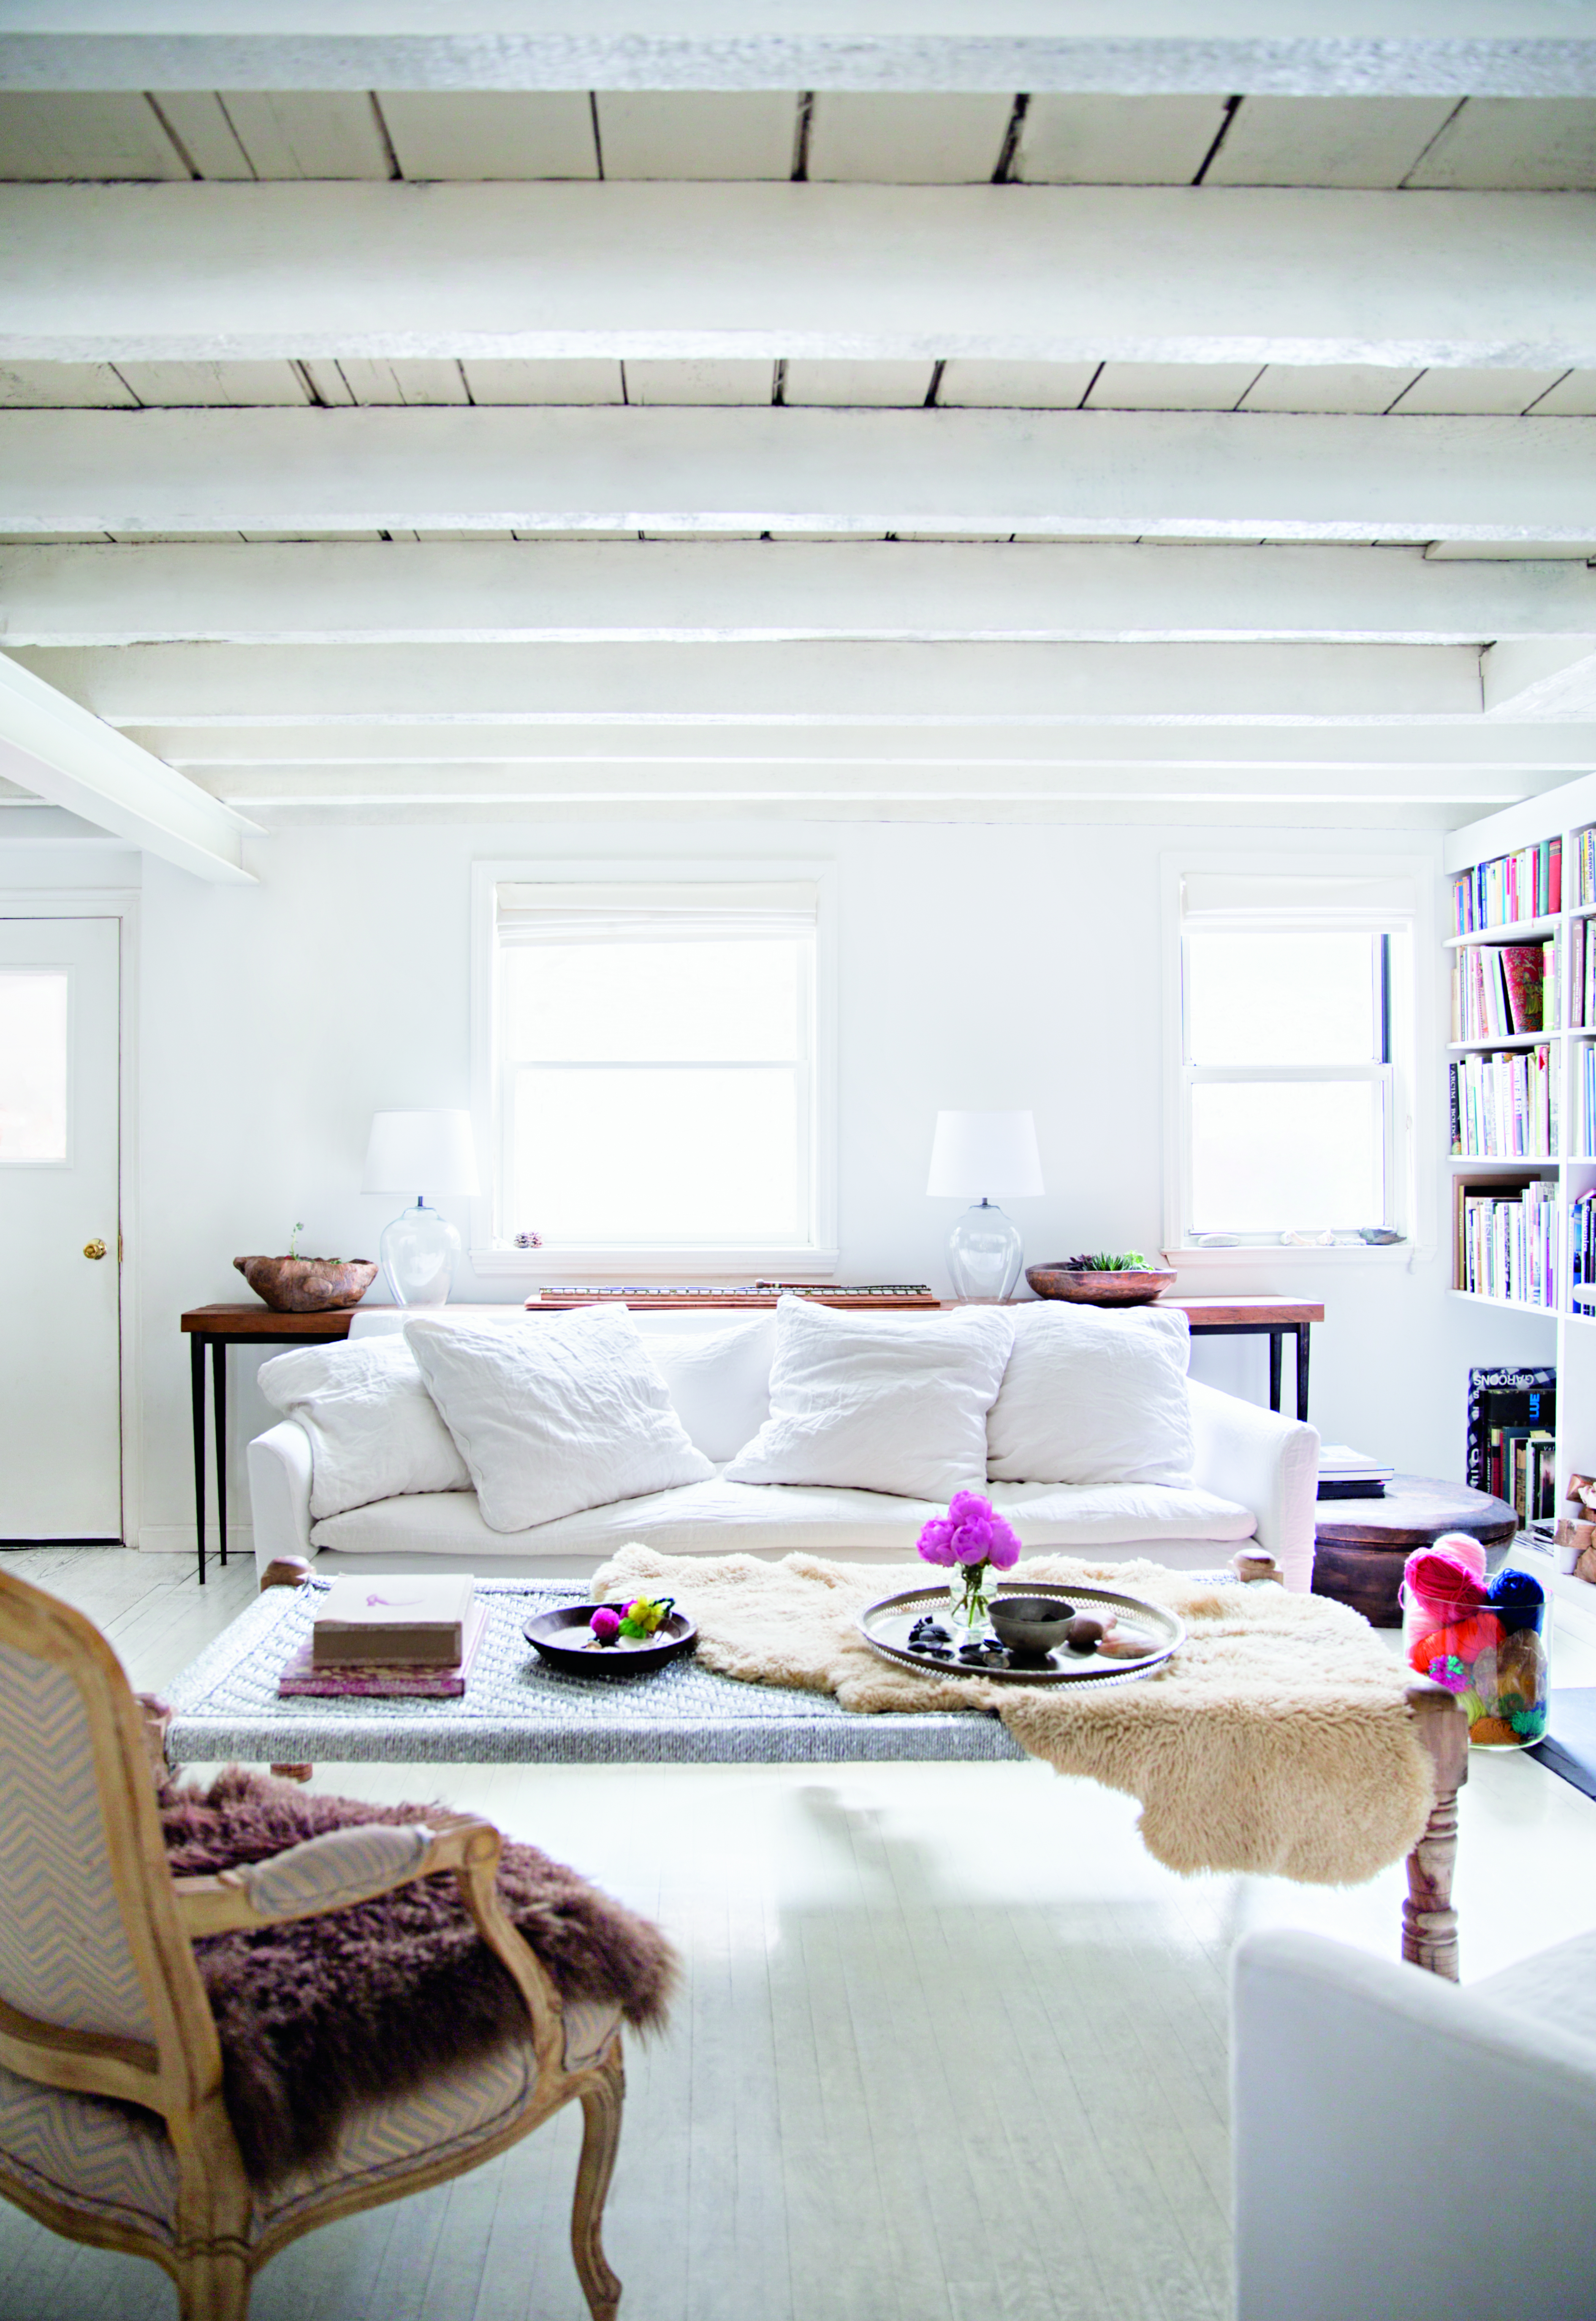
1362,1544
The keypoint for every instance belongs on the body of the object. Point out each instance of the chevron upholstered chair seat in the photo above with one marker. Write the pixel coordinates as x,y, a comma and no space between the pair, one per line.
112,2124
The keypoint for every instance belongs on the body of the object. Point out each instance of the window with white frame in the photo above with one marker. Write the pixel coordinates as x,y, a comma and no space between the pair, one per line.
655,1068
1295,1011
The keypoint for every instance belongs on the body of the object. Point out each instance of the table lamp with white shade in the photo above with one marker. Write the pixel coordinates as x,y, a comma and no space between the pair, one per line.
976,1155
421,1152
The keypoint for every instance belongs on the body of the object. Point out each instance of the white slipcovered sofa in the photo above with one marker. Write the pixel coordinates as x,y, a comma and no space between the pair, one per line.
1255,1477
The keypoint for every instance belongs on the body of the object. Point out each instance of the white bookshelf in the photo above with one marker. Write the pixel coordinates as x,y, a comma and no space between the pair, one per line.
1570,1330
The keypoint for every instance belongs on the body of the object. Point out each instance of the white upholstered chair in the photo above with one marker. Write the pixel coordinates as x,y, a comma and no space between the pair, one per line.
1406,2148
100,1996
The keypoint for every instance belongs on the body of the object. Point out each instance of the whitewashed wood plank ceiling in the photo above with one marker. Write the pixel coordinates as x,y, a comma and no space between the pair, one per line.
649,515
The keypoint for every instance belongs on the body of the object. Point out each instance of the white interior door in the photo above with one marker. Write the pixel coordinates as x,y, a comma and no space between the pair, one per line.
60,1422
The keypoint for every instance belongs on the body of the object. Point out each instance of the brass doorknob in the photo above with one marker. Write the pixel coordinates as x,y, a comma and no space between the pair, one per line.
94,1249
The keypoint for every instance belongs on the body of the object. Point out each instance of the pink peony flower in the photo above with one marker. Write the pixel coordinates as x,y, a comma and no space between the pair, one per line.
979,1533
935,1543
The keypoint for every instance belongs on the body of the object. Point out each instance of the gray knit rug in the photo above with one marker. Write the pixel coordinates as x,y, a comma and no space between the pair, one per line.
517,1710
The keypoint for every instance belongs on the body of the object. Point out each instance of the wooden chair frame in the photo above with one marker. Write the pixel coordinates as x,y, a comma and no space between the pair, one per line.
215,2255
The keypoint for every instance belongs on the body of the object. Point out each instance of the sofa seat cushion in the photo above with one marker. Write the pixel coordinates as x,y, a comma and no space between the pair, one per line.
718,1517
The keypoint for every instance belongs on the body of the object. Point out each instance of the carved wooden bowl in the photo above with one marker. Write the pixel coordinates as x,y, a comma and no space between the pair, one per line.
1083,1287
308,1285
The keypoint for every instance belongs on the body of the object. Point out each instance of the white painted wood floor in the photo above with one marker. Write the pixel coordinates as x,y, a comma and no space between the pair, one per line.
950,2047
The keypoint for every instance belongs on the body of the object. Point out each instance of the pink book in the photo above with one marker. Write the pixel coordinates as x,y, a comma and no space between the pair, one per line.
301,1678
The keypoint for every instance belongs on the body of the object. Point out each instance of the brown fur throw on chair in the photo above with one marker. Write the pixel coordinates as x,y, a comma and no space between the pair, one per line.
322,2015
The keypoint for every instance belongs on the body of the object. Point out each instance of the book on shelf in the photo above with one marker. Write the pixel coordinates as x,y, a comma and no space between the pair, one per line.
388,1619
1581,1251
1584,868
1522,1398
1582,976
1527,884
1521,1468
305,1677
1502,990
1504,1105
1507,1242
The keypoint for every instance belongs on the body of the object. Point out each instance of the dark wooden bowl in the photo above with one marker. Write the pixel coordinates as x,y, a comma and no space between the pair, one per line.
1083,1287
548,1632
308,1285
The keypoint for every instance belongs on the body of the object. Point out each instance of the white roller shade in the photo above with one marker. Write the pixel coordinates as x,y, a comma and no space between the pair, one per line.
740,912
1234,903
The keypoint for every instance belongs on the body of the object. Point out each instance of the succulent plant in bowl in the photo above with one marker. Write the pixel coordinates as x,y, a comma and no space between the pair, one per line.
1102,1277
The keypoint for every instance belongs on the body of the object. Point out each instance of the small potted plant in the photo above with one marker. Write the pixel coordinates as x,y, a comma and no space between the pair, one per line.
308,1285
1102,1277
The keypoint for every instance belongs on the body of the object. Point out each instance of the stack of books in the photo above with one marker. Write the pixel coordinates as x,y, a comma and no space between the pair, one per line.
384,1636
1347,1474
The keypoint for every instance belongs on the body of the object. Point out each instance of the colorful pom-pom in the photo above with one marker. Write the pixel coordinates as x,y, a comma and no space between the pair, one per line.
605,1623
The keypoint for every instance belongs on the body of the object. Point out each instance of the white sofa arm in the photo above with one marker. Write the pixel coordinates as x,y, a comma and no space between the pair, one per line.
1270,1463
1369,2102
279,1493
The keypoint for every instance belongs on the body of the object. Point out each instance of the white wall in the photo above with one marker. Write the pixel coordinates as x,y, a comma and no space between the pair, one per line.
979,965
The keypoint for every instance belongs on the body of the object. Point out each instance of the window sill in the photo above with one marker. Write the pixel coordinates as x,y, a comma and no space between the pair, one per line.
705,1266
1273,1254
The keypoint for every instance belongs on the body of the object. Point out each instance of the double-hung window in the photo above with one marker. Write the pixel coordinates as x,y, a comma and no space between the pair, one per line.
1295,1026
656,1088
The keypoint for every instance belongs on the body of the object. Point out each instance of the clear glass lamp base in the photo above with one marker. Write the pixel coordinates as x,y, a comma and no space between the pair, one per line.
984,1254
418,1251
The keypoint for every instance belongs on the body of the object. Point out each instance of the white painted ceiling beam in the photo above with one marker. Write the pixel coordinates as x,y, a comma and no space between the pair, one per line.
740,785
1521,48
59,751
1541,677
222,272
1519,757
1233,475
514,592
766,685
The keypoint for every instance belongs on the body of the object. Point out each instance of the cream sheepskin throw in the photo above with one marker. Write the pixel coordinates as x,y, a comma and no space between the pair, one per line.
1278,1740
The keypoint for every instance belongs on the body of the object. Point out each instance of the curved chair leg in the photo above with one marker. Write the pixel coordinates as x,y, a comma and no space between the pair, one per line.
214,2285
601,2136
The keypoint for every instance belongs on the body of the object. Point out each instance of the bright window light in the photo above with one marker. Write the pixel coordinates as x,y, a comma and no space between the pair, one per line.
1282,998
1288,1080
34,1064
656,1088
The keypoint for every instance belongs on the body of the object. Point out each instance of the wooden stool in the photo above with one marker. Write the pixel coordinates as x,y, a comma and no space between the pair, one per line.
1362,1544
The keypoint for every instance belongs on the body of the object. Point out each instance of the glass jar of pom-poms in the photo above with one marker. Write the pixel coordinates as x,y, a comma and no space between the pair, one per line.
1485,1640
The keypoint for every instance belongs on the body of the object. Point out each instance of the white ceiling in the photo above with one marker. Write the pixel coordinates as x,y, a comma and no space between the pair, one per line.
665,582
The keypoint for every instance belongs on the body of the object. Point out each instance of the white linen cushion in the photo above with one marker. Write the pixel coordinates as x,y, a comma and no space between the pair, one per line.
876,1404
1093,1397
720,1382
375,1432
561,1414
1189,1528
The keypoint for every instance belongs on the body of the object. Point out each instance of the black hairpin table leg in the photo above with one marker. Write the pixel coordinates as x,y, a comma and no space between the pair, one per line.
1302,1330
1277,1339
197,1383
219,1408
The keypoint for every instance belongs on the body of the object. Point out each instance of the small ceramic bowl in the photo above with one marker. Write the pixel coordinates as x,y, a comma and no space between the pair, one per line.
1083,1286
1032,1624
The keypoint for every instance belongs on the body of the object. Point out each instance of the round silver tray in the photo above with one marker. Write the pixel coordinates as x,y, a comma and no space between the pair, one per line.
885,1627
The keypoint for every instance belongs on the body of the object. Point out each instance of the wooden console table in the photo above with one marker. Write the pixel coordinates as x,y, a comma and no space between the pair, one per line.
1252,1317
219,1327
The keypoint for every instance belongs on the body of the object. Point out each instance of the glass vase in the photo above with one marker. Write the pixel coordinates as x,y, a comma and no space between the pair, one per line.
1497,1661
970,1590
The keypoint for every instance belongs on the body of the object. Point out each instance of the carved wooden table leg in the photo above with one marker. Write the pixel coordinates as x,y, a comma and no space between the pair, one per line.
288,1572
1429,1922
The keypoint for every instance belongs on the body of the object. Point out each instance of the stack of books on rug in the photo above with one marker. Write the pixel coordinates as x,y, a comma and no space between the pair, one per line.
380,1637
